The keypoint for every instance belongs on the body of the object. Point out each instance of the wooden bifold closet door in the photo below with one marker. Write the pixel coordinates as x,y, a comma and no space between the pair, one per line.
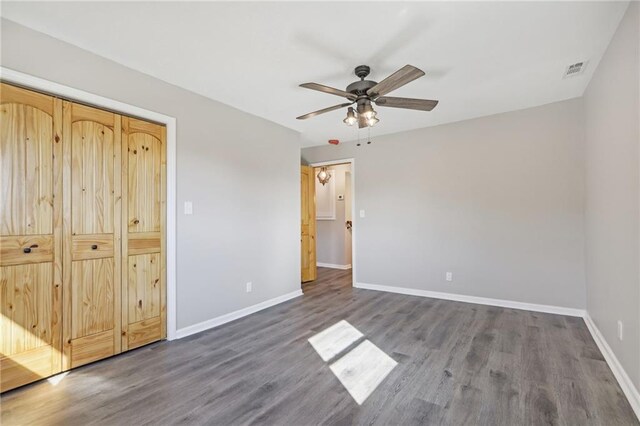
82,235
92,230
30,236
143,248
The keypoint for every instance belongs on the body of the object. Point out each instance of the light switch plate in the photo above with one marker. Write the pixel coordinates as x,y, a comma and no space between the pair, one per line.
361,213
188,207
620,330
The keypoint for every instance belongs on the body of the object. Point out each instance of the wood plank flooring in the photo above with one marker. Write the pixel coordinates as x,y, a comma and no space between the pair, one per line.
458,364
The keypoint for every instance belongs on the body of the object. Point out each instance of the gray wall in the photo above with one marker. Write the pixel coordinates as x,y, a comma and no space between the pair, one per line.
332,239
612,120
498,201
241,173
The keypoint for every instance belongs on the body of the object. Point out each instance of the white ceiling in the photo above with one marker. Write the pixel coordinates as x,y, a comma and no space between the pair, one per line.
481,58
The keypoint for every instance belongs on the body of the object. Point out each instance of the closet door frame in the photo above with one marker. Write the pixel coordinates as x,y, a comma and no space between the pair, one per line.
41,85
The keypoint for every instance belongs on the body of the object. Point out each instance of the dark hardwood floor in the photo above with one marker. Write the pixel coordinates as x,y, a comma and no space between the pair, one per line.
458,364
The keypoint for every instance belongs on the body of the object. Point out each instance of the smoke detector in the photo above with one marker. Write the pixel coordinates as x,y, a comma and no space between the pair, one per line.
575,69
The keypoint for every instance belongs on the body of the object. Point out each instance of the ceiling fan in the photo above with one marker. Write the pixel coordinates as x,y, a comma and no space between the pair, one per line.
364,92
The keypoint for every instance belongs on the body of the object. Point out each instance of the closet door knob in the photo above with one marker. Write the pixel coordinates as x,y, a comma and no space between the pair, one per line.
94,247
28,249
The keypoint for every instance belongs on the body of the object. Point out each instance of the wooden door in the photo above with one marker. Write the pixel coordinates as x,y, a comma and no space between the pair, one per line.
144,242
30,236
308,231
92,227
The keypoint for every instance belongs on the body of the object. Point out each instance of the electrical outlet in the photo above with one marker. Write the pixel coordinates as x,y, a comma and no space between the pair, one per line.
249,287
361,213
620,330
188,207
449,276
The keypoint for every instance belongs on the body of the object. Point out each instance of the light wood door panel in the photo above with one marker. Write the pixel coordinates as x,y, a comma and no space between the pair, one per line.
92,286
92,178
145,168
92,264
24,249
92,246
92,347
30,236
27,298
144,332
308,220
27,170
144,245
144,287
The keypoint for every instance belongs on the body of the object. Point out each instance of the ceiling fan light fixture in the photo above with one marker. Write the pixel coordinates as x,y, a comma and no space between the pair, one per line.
367,111
351,117
323,176
373,120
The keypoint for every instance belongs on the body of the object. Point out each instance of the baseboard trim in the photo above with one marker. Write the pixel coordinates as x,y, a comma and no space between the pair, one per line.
630,391
232,316
573,312
333,266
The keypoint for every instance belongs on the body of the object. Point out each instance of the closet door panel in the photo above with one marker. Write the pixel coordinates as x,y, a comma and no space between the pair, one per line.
144,332
92,304
26,309
144,287
92,311
144,305
93,260
93,246
27,168
144,242
92,176
145,184
12,249
30,236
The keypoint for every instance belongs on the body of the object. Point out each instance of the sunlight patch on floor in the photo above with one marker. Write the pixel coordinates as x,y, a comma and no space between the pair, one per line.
362,369
54,380
333,340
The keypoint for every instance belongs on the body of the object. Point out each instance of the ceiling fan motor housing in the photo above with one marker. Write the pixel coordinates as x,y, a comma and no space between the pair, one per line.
360,88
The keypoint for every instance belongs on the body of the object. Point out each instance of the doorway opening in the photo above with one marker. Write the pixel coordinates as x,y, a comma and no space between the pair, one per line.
334,251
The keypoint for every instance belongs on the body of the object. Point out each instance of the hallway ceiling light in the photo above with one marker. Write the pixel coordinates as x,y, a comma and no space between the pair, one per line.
324,176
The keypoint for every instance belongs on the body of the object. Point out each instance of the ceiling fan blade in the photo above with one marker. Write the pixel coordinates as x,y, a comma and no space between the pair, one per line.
330,90
322,111
408,103
404,75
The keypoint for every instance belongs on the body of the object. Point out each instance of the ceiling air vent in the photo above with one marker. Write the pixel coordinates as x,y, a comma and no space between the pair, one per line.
575,69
